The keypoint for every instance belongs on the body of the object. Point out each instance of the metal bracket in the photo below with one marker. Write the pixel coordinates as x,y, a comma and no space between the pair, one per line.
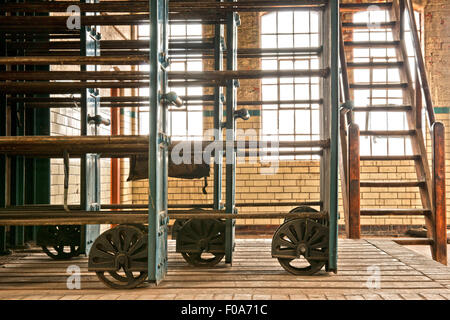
66,179
172,98
98,120
223,45
164,60
348,105
164,139
237,19
241,114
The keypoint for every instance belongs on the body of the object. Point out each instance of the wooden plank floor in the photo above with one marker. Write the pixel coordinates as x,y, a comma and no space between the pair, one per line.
404,274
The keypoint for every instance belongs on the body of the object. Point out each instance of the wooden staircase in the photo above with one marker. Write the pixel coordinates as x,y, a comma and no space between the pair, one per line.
413,85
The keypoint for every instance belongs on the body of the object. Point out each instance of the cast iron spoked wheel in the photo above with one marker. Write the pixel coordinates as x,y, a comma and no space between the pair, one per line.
177,226
61,235
61,252
123,248
203,235
304,209
301,246
203,259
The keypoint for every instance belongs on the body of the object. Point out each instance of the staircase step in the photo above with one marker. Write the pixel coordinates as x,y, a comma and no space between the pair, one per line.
381,65
355,7
390,158
365,25
383,108
414,241
372,44
395,212
387,133
378,85
391,184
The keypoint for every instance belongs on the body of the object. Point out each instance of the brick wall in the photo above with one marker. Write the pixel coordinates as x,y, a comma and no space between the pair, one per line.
437,55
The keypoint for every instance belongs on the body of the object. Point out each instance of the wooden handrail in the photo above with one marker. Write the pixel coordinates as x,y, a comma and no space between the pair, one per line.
344,74
420,63
438,227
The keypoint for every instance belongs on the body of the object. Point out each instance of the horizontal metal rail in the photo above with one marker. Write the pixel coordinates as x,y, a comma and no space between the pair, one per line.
46,207
121,146
173,75
174,6
116,217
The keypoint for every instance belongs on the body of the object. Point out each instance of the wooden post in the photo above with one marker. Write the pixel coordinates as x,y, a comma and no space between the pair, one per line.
439,232
354,224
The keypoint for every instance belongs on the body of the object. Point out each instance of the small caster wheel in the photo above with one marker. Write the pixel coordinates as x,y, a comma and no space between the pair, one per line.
66,241
119,257
203,259
301,246
202,242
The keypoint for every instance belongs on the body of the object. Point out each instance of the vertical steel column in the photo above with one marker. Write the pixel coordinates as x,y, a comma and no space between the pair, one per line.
231,102
3,110
37,171
329,115
334,133
158,142
218,115
90,163
17,179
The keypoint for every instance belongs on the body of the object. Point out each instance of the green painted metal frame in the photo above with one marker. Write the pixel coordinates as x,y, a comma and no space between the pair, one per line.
329,115
333,12
231,103
3,110
37,171
17,163
218,115
90,163
158,142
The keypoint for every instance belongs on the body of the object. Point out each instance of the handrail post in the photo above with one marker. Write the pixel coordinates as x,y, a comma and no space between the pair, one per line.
354,220
439,231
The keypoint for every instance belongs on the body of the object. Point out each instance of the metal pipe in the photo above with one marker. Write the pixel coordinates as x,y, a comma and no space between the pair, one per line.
175,6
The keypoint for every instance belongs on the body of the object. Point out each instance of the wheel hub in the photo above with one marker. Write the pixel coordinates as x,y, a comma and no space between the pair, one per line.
301,249
203,244
122,260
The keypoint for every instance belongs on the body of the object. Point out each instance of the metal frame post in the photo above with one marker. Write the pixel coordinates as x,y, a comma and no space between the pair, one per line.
17,163
218,116
158,142
329,125
3,117
334,135
90,163
231,103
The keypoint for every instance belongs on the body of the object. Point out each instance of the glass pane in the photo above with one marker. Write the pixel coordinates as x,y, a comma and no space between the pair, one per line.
270,93
268,23
270,122
285,22
302,122
179,123
286,125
